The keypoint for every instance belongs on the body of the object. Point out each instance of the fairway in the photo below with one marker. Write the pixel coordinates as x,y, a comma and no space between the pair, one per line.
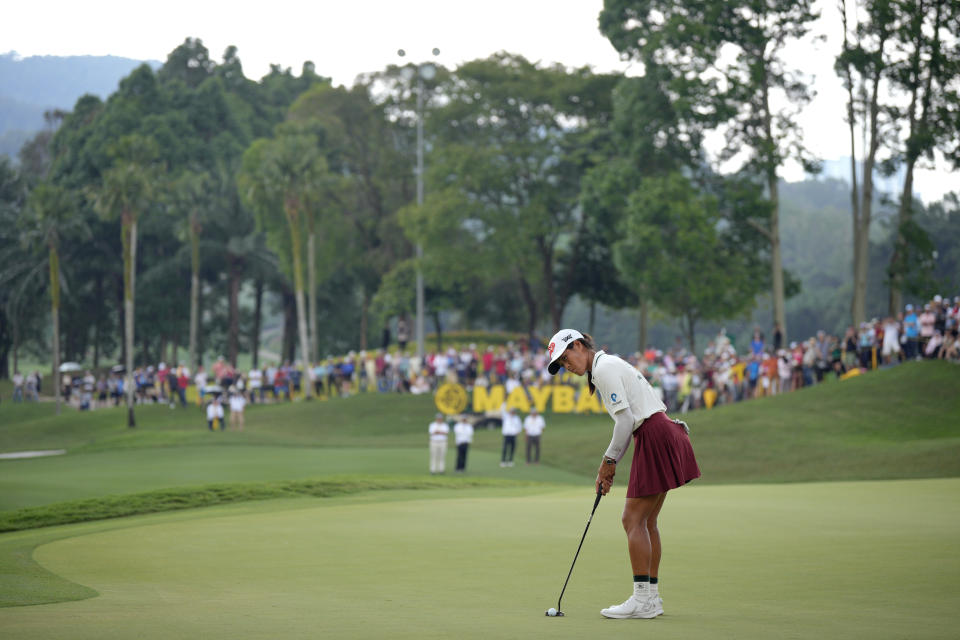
39,481
862,559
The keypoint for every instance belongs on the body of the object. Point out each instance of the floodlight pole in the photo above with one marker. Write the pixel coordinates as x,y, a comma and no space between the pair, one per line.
422,72
420,294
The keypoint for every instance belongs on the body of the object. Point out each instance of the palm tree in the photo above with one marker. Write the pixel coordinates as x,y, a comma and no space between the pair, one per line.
285,173
125,193
188,194
52,215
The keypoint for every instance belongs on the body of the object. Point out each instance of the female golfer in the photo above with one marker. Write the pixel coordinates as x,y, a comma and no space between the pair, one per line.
662,457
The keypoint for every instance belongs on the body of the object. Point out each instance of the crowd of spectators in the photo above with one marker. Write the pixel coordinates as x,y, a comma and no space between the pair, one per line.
725,372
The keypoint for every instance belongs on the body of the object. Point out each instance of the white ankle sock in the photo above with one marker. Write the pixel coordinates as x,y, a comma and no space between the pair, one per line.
654,590
641,590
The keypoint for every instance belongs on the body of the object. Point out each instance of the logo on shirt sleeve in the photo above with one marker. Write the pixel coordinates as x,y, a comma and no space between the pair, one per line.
614,399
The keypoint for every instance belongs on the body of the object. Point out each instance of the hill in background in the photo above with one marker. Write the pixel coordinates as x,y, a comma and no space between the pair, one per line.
29,86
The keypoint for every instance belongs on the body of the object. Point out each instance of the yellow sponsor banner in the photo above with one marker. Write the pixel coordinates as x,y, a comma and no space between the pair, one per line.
555,398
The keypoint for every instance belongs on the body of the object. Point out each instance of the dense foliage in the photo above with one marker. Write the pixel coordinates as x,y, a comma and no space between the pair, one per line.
193,203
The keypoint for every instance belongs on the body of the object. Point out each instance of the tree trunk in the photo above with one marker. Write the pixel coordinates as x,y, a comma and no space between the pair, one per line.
257,315
776,257
861,227
96,324
55,315
301,303
773,191
312,295
233,324
304,343
527,294
546,255
899,260
364,318
289,326
130,268
691,332
121,307
16,344
5,342
194,296
644,315
593,316
439,329
201,344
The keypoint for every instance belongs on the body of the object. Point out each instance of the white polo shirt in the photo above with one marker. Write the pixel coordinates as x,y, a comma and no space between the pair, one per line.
463,432
442,427
511,424
621,386
534,424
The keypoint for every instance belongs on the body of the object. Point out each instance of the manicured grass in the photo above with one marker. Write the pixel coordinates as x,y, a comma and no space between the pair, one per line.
896,423
761,561
204,496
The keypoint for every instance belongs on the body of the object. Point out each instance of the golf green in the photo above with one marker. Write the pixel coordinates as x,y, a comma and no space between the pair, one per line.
838,560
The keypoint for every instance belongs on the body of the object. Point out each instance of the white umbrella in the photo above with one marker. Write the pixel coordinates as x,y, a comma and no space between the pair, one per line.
67,367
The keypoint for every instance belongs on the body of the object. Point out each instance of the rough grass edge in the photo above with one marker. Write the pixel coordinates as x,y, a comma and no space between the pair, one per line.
174,499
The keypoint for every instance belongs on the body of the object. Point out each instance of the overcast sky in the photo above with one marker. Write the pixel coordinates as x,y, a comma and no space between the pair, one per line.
347,37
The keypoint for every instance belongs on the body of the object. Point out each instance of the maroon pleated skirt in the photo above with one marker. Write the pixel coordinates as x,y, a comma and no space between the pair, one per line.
662,457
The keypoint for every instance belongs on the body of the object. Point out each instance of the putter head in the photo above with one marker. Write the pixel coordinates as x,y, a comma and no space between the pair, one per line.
556,615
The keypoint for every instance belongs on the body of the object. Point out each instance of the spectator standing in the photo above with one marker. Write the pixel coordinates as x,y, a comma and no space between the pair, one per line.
891,340
463,438
928,320
237,404
439,431
102,391
510,428
777,338
911,330
174,384
403,334
215,414
17,386
533,426
756,343
201,381
255,377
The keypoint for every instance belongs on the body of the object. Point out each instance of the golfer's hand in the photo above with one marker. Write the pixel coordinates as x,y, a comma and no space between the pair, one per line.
605,477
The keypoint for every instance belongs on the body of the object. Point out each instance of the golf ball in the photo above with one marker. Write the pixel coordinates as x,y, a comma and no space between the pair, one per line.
551,611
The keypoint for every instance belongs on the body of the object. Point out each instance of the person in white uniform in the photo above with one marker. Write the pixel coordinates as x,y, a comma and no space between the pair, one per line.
439,431
533,426
662,458
462,437
510,428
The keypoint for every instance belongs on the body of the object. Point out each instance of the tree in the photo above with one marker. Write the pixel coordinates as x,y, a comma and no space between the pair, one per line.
52,216
678,241
862,65
507,137
689,39
125,193
187,195
365,187
929,74
282,173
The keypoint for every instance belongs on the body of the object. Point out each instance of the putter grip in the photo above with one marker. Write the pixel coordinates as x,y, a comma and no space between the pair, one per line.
596,502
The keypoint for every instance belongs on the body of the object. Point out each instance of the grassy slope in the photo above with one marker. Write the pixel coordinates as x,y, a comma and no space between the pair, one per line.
898,423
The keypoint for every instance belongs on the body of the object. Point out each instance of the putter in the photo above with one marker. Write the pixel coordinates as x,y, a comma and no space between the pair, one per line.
594,510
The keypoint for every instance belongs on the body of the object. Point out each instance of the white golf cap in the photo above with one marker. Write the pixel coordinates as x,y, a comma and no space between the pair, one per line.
558,344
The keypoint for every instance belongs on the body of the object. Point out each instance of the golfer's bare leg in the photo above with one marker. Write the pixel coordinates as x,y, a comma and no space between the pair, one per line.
636,512
654,532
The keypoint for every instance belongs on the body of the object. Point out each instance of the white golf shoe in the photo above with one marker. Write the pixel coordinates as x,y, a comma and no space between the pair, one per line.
634,607
659,604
